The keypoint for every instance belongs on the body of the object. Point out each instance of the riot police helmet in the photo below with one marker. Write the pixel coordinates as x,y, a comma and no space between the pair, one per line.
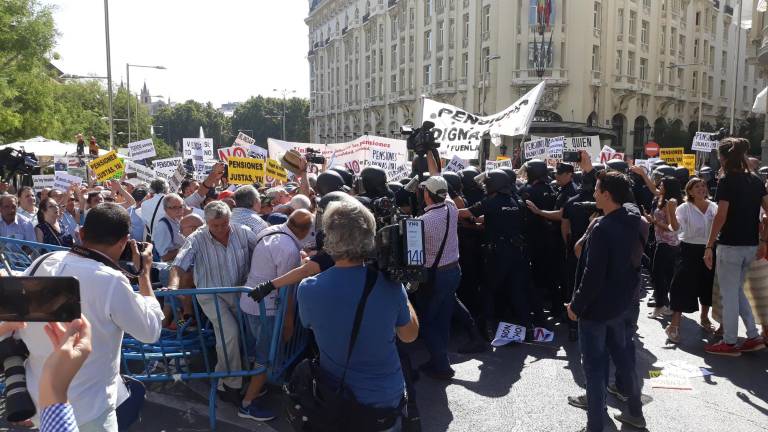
682,175
497,180
328,182
454,182
511,173
346,174
374,182
536,169
617,165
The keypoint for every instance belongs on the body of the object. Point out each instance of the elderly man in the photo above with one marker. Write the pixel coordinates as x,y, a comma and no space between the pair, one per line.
167,235
246,211
219,256
14,225
277,252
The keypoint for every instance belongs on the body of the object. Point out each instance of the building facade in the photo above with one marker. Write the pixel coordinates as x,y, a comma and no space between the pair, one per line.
758,55
629,70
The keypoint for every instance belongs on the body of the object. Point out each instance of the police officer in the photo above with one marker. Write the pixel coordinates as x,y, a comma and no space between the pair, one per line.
507,262
472,191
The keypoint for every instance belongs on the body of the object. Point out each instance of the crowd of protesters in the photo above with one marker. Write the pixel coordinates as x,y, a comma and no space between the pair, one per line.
567,243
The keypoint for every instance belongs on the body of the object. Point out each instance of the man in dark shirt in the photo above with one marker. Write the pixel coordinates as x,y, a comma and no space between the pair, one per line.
604,297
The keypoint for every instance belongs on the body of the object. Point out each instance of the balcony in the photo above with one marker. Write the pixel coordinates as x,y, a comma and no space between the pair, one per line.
625,82
366,17
597,78
529,77
723,100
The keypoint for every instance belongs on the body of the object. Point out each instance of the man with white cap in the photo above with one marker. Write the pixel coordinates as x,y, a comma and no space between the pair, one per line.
442,259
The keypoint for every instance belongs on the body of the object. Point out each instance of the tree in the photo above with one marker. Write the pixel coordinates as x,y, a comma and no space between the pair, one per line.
752,129
261,118
184,121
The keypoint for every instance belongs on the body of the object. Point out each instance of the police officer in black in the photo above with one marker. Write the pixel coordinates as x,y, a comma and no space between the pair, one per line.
506,256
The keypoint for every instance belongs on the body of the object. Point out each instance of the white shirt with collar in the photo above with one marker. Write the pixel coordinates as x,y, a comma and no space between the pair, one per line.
274,255
113,308
167,236
695,225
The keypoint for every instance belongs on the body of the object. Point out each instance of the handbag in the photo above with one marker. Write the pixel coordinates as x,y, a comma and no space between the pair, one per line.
426,288
313,404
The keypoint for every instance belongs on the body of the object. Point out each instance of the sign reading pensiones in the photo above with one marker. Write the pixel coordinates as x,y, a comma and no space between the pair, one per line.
460,132
166,167
245,170
673,155
106,166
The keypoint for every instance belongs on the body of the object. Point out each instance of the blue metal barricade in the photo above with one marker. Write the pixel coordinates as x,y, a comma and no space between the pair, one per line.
16,255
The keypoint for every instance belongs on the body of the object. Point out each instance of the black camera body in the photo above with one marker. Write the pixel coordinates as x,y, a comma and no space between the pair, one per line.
13,161
420,140
400,251
571,156
314,156
18,402
127,254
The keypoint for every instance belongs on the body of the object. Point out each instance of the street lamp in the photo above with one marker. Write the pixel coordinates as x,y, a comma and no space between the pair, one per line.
109,75
285,93
485,74
128,67
700,83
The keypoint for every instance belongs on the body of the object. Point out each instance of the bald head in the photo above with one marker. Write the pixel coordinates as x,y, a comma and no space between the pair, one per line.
300,223
190,223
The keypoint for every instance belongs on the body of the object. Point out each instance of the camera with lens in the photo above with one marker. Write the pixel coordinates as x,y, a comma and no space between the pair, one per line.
13,161
420,140
18,402
314,156
400,251
384,210
127,254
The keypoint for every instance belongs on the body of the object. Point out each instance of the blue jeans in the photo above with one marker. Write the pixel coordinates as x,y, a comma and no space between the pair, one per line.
731,270
597,339
630,325
436,319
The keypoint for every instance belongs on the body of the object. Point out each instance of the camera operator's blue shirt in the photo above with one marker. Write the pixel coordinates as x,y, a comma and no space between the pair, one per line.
327,304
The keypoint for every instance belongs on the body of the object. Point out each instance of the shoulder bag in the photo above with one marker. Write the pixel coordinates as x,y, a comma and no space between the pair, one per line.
425,289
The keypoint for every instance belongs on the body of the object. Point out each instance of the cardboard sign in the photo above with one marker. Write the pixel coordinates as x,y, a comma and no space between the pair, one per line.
107,166
62,181
535,148
275,171
41,182
555,147
166,167
143,149
490,165
540,334
591,144
199,150
673,155
460,132
703,141
245,170
456,164
144,174
244,140
226,152
178,175
507,333
643,163
689,161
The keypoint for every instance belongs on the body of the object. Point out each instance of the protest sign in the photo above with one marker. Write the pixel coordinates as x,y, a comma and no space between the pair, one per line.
673,155
244,140
275,171
245,170
703,141
256,152
199,150
386,153
176,177
166,167
535,148
144,174
540,334
689,162
490,165
62,181
236,151
591,144
143,149
456,164
76,167
460,132
402,173
555,147
41,182
60,163
507,333
643,163
105,167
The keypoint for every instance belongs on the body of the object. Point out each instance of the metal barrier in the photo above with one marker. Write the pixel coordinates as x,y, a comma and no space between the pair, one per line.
186,353
16,255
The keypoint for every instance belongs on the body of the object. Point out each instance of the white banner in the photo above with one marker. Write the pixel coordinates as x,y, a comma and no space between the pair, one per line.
589,143
62,181
507,333
199,150
489,165
703,141
166,167
144,174
460,132
456,164
387,153
144,149
244,140
41,182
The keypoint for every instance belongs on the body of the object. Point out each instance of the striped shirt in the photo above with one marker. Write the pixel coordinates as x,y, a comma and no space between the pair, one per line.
21,228
58,418
434,230
249,218
216,265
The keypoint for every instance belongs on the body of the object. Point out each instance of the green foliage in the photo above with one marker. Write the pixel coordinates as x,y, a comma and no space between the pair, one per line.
184,121
261,118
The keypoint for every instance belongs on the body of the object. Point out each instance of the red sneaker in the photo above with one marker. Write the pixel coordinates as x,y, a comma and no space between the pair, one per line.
722,348
754,344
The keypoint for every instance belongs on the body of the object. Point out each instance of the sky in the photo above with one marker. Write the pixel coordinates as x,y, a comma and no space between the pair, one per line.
218,51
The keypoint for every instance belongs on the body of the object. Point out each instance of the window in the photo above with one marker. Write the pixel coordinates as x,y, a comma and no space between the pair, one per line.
465,34
393,57
698,18
518,54
694,81
661,73
440,29
632,24
439,76
631,63
647,4
485,53
680,77
696,50
450,68
682,46
427,8
645,27
620,19
595,58
597,16
663,39
486,23
712,56
393,83
393,28
671,76
427,42
643,69
464,65
381,33
724,60
710,84
427,74
744,94
619,61
451,31
673,39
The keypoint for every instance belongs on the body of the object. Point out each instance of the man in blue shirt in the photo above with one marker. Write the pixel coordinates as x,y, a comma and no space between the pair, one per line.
12,224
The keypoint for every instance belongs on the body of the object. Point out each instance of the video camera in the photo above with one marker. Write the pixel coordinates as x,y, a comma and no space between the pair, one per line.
400,251
13,161
421,140
719,135
314,156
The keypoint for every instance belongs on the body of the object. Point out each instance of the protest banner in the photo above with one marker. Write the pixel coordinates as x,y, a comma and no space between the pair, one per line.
105,167
166,167
143,174
507,333
386,153
456,164
76,167
199,150
236,151
535,148
176,177
672,155
41,182
60,163
460,132
689,162
275,171
244,140
555,147
703,141
143,149
62,181
245,170
591,144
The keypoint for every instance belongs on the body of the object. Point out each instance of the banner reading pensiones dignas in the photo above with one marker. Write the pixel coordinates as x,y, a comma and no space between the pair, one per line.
387,153
460,132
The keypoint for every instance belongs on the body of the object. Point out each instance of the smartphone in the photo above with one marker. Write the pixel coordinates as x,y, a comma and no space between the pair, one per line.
571,156
39,299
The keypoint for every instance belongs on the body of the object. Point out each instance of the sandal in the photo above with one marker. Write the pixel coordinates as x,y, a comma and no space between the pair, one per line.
673,333
707,325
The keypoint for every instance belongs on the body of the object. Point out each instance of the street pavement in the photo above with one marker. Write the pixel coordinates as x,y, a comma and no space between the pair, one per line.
522,387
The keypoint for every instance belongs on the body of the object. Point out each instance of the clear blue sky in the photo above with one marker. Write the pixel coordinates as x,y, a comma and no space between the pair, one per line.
218,51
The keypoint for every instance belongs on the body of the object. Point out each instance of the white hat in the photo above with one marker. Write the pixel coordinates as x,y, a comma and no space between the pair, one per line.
436,185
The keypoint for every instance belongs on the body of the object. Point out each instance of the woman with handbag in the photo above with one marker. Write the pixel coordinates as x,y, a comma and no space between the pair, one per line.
355,313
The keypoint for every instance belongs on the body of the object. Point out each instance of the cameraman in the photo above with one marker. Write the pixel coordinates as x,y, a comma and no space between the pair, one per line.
110,304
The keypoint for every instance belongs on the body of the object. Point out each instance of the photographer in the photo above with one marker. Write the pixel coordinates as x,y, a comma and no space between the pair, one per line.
110,304
372,374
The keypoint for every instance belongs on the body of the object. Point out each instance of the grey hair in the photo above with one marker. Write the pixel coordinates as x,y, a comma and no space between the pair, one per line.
350,230
170,197
217,210
159,186
300,202
246,197
6,196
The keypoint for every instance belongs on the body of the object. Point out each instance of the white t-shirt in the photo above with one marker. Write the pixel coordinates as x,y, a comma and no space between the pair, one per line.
112,307
695,225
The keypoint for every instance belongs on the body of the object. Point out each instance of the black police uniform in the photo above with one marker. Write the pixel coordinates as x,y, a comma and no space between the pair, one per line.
542,247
